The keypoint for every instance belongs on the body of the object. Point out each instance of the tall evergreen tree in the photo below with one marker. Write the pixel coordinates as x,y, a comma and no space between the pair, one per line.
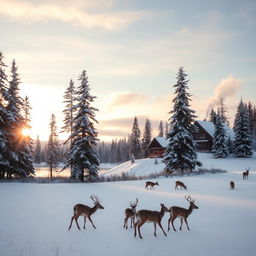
147,137
52,146
180,154
213,116
219,146
4,117
82,155
166,130
243,139
135,145
161,129
37,151
223,111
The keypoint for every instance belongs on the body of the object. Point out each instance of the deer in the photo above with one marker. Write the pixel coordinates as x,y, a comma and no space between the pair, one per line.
232,184
130,213
143,216
246,174
181,213
151,184
86,211
180,184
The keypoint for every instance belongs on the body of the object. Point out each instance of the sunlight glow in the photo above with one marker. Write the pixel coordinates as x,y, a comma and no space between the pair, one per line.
26,132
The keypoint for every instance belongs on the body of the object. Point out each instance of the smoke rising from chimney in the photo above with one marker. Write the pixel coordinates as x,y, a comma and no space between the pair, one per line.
227,88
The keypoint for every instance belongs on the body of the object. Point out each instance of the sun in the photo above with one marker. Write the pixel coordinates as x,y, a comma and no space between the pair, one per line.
26,132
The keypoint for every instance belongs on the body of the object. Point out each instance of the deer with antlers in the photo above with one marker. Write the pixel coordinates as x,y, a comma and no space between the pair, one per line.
151,184
86,211
246,174
181,213
149,216
130,213
180,184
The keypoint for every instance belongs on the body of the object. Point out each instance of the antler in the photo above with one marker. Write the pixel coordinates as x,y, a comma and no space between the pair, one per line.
189,199
95,199
134,204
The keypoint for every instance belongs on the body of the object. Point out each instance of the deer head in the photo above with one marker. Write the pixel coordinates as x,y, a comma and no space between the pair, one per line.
133,205
192,202
96,201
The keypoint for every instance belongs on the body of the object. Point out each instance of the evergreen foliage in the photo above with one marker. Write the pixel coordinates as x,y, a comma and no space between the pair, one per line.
243,139
82,155
180,154
135,145
219,146
37,151
161,129
147,137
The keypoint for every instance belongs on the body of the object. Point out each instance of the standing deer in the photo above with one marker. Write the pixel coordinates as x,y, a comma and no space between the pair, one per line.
246,174
181,213
149,216
86,211
180,184
232,185
130,213
151,184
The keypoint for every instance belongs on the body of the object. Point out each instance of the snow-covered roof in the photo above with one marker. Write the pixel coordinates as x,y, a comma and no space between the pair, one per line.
162,141
209,128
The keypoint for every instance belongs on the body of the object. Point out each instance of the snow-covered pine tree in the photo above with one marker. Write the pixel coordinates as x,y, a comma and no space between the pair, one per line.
219,146
230,145
37,151
82,154
147,136
19,146
180,154
52,146
166,130
161,129
135,145
213,116
223,111
243,139
4,117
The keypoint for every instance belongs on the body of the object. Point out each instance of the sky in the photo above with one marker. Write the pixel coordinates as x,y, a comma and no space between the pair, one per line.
131,50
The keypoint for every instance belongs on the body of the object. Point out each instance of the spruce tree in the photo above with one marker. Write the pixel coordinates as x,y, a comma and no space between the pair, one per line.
52,146
37,152
147,137
82,155
213,116
180,154
135,145
243,139
161,129
4,117
223,111
166,130
219,146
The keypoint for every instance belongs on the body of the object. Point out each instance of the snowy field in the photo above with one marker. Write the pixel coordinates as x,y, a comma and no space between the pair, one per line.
34,218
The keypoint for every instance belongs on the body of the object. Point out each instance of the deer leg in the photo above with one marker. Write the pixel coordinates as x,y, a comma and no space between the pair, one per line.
172,220
154,229
181,222
71,222
89,217
160,225
132,221
141,223
135,228
84,221
125,223
186,223
77,222
169,220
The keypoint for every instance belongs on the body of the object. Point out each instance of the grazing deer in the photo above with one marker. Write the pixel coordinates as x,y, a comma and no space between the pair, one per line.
246,174
86,211
232,184
149,216
180,184
181,213
130,213
150,184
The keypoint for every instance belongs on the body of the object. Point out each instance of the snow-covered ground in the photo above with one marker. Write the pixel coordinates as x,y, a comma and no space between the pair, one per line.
147,166
34,218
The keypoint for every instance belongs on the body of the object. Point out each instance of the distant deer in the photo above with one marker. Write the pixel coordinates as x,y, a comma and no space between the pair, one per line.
180,184
149,216
151,184
86,211
232,185
130,213
246,174
181,213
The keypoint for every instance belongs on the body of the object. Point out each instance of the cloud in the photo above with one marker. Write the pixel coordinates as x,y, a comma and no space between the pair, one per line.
227,88
31,12
127,98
